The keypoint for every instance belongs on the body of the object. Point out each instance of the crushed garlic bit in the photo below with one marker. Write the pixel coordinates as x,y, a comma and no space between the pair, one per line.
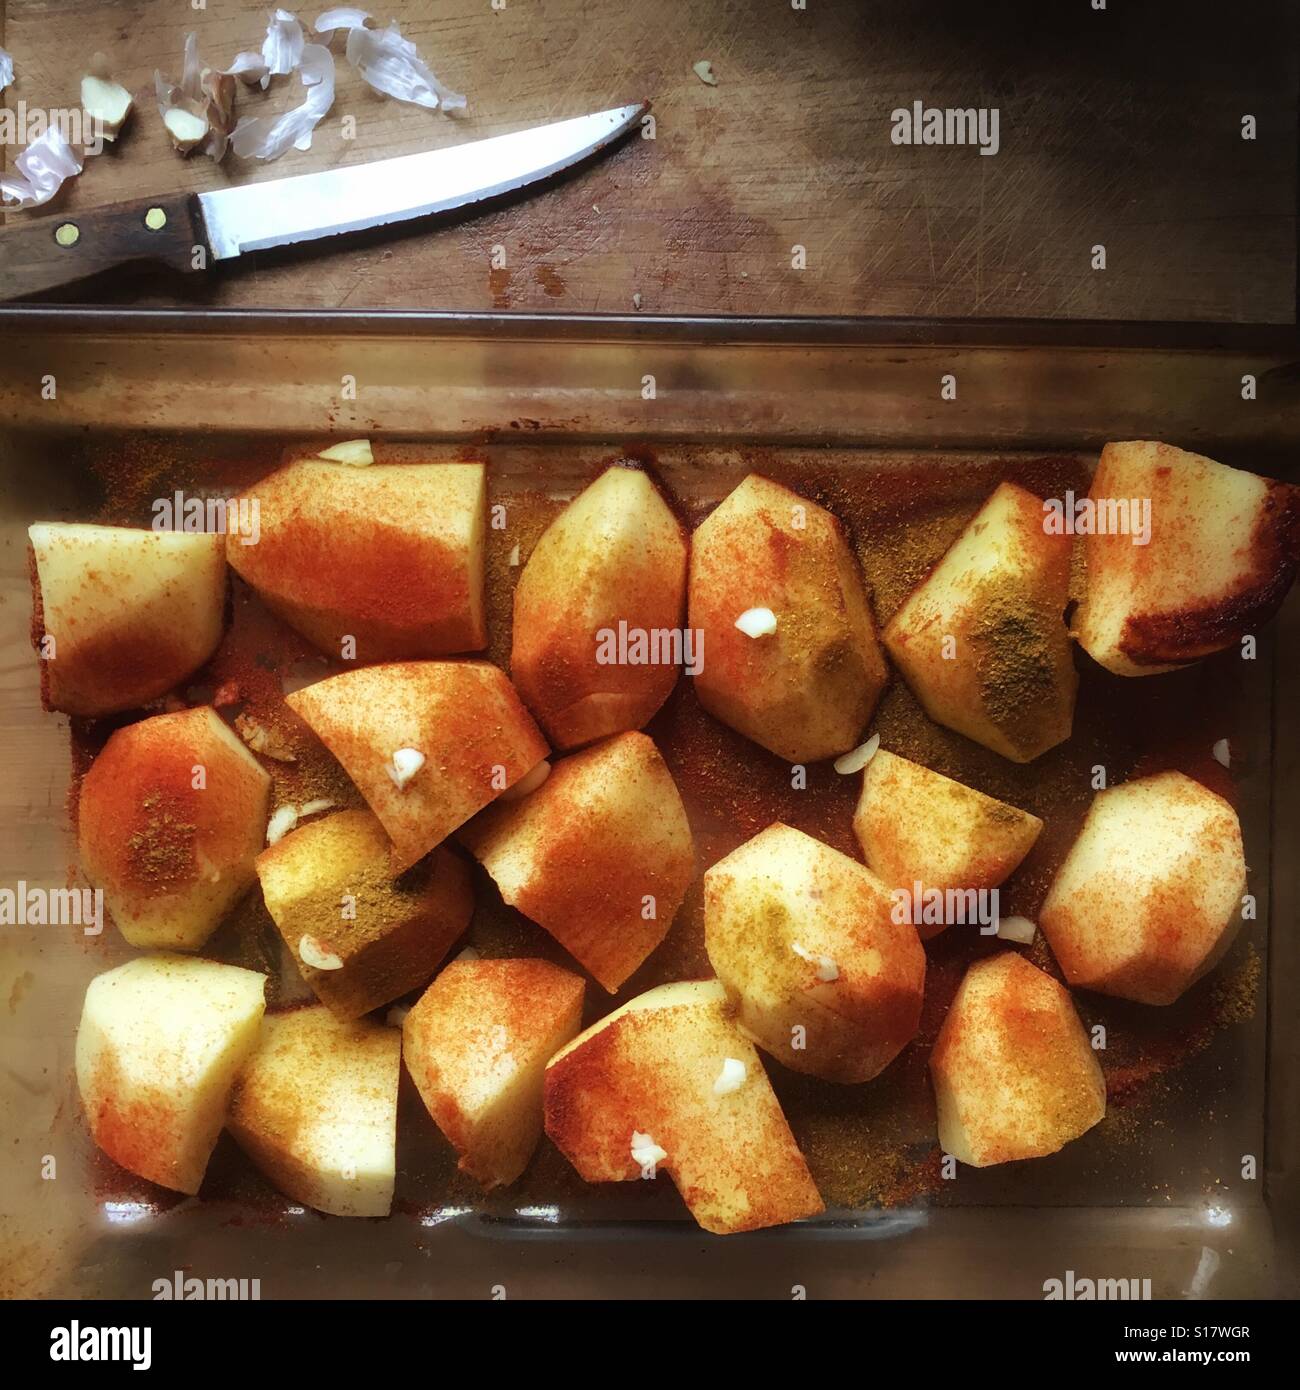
858,758
757,622
357,452
1018,929
645,1152
283,819
317,955
514,556
730,1078
405,763
827,970
1221,753
270,743
529,782
396,1016
704,71
310,808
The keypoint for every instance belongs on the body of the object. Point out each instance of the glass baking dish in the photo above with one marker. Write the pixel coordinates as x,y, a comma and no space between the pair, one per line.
1160,1192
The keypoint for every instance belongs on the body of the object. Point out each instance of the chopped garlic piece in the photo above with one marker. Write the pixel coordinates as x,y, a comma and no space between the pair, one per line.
757,622
318,956
1018,929
827,970
858,758
645,1152
730,1078
529,782
282,821
107,103
469,953
396,1016
406,762
310,808
1221,753
514,556
357,452
704,71
187,130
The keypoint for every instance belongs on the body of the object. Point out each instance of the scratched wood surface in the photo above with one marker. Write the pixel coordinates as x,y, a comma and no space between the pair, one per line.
1120,128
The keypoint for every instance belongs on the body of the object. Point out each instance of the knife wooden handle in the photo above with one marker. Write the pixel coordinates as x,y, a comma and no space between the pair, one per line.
49,251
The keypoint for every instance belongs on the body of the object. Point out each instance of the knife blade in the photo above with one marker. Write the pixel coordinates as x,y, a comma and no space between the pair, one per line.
189,231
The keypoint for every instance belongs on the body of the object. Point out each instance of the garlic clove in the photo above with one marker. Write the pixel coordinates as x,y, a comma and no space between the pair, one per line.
319,956
856,759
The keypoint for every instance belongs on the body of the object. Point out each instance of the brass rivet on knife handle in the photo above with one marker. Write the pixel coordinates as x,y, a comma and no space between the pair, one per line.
39,252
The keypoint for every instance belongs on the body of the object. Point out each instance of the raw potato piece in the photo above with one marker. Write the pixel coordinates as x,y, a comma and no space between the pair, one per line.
601,855
1014,1074
131,613
651,1068
805,691
616,554
315,1107
1149,898
391,555
460,724
1222,553
999,594
803,939
917,826
172,857
330,881
477,1045
160,1041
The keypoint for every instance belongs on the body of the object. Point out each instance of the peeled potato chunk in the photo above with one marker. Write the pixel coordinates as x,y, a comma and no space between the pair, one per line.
427,743
1150,897
613,561
477,1045
982,642
121,616
330,890
804,940
917,826
1014,1074
171,816
601,855
804,689
390,555
1221,553
160,1041
669,1081
315,1107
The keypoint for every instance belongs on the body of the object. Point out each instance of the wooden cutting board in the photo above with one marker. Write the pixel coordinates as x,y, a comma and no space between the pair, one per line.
1117,128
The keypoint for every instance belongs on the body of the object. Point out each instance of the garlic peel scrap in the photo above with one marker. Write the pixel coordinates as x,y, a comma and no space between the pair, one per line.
284,45
341,17
388,62
260,137
39,172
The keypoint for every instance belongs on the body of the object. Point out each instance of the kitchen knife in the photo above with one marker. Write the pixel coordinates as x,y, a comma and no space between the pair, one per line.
173,230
